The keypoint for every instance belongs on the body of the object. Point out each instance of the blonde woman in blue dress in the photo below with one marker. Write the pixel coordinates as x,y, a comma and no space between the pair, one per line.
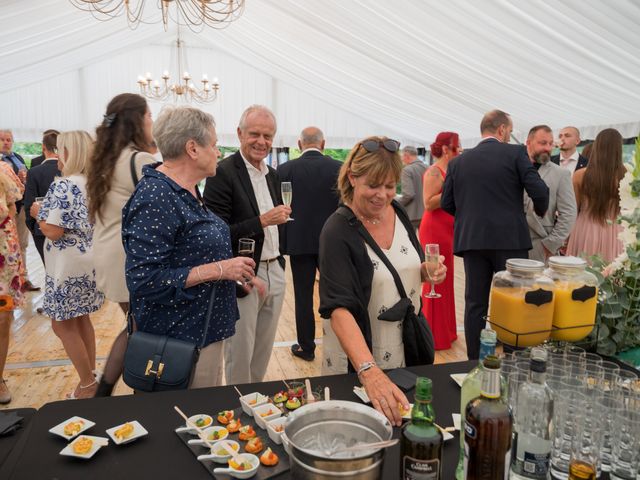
70,285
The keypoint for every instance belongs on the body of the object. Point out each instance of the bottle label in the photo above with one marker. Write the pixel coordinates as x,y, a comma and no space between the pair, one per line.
470,430
536,463
415,469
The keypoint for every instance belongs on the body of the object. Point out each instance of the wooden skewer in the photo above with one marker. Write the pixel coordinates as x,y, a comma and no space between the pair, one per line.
204,438
286,384
239,392
326,393
445,429
310,397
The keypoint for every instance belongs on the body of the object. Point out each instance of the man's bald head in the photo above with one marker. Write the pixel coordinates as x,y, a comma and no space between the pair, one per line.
311,137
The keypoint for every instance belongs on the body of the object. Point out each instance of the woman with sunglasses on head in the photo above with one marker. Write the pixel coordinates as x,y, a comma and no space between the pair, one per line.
355,285
437,227
123,143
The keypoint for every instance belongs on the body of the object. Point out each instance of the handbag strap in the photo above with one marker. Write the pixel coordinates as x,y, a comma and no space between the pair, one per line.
132,168
206,325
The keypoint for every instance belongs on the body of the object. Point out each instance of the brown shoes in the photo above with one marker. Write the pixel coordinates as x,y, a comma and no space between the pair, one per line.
5,394
27,286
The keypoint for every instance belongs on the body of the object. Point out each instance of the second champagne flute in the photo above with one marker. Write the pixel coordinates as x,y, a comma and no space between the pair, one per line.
287,195
432,257
246,248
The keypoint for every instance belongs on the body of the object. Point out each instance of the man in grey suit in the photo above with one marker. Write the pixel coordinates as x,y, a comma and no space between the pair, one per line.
411,184
549,232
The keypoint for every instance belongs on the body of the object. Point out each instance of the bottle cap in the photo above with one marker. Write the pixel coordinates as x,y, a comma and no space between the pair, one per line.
491,362
538,362
488,336
423,388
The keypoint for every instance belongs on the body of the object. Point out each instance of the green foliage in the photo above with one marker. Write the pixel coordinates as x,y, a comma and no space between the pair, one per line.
339,154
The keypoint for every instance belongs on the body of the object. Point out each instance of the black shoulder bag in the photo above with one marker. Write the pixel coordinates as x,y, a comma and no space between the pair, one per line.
154,363
132,168
419,348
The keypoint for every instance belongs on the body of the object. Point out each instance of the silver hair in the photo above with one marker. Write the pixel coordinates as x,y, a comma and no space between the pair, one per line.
256,108
175,126
311,136
410,150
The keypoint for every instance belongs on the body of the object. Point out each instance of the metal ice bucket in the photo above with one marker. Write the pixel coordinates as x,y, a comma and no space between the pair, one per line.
333,425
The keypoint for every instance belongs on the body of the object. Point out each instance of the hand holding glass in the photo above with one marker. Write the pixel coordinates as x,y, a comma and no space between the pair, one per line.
246,248
432,258
287,195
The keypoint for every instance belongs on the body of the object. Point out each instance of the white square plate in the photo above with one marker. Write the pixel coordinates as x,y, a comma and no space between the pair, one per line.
59,429
97,443
458,378
138,431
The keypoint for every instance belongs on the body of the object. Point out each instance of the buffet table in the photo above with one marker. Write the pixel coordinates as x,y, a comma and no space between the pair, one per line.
161,454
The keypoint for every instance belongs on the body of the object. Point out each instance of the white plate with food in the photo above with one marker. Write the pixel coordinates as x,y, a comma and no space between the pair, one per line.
85,446
458,378
72,427
127,432
200,420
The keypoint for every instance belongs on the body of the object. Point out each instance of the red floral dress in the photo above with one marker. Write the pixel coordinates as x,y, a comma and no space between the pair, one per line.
11,263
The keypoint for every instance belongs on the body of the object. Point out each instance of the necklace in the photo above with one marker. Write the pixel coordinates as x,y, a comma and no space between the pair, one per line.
372,221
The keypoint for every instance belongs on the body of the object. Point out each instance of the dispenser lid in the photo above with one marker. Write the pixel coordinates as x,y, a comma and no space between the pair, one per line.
525,265
567,262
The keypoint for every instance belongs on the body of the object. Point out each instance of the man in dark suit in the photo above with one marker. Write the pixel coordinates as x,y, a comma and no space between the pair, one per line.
484,189
35,161
39,179
245,193
313,177
20,168
569,158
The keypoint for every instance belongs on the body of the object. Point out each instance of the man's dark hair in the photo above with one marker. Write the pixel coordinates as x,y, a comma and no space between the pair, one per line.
492,121
533,130
50,140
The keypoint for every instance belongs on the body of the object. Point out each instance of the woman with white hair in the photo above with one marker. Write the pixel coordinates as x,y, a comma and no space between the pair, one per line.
70,285
178,253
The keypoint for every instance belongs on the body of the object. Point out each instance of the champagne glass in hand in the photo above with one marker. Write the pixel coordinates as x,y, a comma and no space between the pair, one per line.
246,248
287,195
432,257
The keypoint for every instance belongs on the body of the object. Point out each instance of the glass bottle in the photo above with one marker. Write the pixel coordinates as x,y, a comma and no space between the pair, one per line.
487,432
471,388
421,441
532,430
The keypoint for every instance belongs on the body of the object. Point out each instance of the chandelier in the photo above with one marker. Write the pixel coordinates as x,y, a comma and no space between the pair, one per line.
183,89
194,14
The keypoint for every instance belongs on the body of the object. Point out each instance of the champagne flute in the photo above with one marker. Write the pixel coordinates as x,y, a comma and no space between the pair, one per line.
287,195
432,257
246,248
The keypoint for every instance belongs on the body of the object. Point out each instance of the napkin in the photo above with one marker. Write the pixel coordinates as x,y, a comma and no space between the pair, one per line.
9,423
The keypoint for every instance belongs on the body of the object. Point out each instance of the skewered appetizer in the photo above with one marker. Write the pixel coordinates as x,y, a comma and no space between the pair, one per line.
222,452
234,425
124,431
240,466
202,422
219,434
254,445
225,416
293,403
83,445
271,411
72,428
268,458
247,433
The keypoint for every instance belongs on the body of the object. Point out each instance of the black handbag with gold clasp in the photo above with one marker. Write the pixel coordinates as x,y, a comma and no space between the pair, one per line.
153,363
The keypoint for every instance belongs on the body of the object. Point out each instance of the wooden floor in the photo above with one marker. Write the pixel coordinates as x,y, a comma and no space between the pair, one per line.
38,370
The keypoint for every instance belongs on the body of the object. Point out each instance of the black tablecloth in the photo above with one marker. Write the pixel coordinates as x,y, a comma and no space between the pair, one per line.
161,454
10,445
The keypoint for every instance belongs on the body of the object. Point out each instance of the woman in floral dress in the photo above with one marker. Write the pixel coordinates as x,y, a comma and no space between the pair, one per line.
70,285
11,265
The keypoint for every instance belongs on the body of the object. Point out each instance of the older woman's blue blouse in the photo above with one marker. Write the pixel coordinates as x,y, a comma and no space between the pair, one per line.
166,232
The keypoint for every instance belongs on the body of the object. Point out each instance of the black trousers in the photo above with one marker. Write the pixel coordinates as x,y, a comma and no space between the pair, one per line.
38,240
479,267
303,269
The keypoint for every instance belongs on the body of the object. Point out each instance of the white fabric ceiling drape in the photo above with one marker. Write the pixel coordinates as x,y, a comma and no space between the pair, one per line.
404,68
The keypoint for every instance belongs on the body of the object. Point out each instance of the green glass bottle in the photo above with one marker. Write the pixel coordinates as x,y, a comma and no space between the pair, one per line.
421,441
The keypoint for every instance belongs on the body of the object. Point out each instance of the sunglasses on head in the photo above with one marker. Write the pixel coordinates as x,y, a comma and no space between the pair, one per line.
374,145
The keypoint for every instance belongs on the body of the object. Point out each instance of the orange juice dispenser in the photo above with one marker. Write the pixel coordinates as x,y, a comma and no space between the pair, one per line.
521,308
574,313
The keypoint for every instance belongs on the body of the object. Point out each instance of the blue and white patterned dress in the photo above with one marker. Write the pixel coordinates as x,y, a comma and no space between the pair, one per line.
70,285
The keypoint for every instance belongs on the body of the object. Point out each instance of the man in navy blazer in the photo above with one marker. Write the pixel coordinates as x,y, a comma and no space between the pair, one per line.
39,179
483,189
569,158
313,177
245,193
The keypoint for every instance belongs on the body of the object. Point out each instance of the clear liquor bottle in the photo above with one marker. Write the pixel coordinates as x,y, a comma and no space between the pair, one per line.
471,389
532,425
487,432
421,441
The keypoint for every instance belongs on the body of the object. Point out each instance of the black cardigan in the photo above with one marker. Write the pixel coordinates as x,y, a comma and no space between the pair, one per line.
346,271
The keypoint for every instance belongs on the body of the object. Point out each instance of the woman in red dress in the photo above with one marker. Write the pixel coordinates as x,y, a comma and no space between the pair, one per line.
437,227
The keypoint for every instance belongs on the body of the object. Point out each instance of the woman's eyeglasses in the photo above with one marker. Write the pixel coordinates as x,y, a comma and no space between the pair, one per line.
374,145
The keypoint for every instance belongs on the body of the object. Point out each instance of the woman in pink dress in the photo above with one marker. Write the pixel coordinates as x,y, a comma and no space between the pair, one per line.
437,227
11,264
596,187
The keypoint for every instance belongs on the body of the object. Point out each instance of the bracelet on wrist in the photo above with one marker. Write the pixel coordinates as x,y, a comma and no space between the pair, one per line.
219,264
202,280
364,366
